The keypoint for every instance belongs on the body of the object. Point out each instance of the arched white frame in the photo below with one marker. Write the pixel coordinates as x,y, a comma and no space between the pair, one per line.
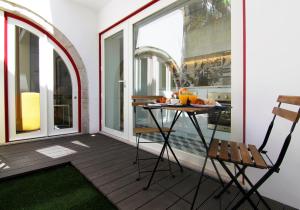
46,47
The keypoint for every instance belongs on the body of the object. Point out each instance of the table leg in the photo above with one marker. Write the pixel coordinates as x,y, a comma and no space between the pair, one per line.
181,169
166,144
194,120
166,137
199,182
154,170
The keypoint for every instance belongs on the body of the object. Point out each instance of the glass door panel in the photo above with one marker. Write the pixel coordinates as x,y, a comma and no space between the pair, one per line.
62,95
114,82
114,68
27,86
27,89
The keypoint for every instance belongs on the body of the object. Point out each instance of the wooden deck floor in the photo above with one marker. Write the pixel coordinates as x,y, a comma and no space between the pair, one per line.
107,164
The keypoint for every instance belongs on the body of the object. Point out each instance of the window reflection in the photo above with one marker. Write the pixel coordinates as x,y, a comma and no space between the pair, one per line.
196,36
185,45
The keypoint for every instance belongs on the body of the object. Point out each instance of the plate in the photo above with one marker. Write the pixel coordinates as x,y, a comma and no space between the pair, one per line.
175,105
202,105
205,105
156,104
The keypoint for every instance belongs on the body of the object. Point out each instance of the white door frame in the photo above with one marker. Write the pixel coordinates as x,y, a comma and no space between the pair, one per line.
2,109
12,23
124,134
46,47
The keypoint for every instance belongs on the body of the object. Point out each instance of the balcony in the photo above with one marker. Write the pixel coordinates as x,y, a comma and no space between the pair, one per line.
107,164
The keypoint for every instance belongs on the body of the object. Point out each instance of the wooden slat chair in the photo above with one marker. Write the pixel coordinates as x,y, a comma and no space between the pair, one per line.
243,156
139,131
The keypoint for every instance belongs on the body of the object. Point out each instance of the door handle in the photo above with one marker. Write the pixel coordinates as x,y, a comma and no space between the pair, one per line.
122,81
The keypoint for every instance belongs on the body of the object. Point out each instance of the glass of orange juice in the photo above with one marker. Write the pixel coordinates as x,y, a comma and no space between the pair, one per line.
192,99
183,99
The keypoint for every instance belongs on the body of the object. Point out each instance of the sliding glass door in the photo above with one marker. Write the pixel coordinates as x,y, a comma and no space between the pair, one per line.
187,44
42,89
114,105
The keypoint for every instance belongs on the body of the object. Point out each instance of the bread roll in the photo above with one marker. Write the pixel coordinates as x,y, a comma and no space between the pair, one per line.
210,102
199,101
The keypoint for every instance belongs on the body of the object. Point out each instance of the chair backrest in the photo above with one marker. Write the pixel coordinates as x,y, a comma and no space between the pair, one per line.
144,100
288,115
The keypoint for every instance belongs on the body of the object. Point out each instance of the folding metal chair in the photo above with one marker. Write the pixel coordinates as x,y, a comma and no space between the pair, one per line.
243,156
139,131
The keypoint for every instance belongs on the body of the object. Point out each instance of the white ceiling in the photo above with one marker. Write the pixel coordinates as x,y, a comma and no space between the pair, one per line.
92,4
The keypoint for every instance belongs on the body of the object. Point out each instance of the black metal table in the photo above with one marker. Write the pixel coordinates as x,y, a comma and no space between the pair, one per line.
191,112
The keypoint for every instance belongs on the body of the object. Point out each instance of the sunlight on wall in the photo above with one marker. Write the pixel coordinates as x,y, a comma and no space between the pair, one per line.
42,8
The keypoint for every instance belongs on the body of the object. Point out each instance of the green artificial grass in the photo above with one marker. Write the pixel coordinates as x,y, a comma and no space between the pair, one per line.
62,187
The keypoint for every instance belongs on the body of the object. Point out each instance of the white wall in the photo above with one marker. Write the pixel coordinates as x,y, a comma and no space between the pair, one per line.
115,10
79,24
273,67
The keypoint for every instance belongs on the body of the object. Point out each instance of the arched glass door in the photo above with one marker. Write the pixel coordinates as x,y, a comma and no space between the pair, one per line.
62,95
42,85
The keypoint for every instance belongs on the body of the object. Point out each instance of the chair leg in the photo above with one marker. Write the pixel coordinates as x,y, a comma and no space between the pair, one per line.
162,159
238,185
225,188
233,199
138,158
253,189
217,171
258,194
200,180
136,143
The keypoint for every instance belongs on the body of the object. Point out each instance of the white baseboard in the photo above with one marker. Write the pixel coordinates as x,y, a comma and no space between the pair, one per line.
39,139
